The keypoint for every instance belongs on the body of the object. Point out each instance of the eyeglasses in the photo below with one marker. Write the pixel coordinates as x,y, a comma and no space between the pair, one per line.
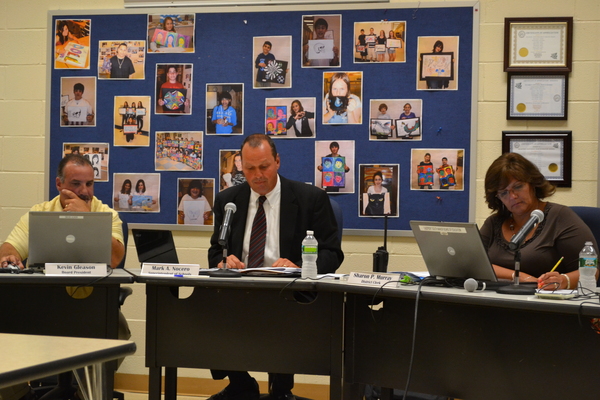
516,189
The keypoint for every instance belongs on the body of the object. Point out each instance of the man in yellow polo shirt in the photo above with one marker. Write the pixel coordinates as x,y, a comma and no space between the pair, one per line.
75,184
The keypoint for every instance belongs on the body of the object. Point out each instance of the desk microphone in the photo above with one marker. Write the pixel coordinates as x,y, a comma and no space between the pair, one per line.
537,216
225,272
472,285
230,209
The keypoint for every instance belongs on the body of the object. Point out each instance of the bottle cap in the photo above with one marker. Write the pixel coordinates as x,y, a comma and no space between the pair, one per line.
309,233
588,243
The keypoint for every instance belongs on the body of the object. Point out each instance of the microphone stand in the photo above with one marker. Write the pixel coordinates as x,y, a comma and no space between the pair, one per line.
225,272
381,256
516,288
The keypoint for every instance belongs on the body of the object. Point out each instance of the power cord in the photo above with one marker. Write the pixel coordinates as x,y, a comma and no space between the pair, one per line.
93,282
423,282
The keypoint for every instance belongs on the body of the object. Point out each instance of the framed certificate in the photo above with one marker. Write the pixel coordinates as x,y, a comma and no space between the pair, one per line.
537,96
538,44
550,151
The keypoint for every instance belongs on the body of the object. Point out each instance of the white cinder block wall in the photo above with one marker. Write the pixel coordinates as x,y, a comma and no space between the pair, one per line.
23,85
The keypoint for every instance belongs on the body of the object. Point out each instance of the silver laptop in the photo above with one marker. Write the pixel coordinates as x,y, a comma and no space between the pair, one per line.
453,250
69,237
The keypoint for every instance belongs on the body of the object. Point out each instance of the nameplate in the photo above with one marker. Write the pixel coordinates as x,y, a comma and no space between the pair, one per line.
74,269
170,269
373,278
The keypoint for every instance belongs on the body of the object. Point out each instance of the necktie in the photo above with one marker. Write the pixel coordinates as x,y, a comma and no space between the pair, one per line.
258,237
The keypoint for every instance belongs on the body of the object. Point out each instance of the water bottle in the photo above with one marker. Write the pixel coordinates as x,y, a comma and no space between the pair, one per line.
310,252
588,263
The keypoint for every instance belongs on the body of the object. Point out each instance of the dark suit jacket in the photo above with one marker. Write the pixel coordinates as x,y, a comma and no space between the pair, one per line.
303,207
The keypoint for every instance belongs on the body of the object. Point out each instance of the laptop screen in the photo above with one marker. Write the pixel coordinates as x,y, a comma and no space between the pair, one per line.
69,237
155,246
453,250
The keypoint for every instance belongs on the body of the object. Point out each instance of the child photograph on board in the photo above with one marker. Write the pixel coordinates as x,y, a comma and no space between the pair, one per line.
321,40
231,169
195,199
121,59
224,109
335,163
437,64
380,41
437,169
136,192
342,102
272,66
174,89
379,190
72,43
77,101
131,126
178,151
290,117
97,153
396,119
171,33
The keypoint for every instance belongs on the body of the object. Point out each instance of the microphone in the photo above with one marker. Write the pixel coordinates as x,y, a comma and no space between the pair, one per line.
472,285
230,209
537,216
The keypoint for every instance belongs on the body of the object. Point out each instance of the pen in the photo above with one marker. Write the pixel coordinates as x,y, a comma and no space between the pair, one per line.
559,261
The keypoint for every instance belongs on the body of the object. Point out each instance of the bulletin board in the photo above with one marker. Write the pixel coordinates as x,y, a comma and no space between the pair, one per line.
224,54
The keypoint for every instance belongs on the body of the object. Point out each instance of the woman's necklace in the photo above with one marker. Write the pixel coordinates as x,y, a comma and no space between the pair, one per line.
512,222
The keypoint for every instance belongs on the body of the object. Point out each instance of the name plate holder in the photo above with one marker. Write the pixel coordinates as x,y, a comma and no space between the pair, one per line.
76,269
179,270
373,278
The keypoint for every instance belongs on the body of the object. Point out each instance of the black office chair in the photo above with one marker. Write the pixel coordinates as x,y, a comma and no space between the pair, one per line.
61,386
339,217
591,217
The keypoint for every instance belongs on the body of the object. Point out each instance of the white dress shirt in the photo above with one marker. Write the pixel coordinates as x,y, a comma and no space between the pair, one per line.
272,207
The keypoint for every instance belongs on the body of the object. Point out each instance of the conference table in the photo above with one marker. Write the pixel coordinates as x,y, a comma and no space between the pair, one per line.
480,345
74,306
246,324
28,357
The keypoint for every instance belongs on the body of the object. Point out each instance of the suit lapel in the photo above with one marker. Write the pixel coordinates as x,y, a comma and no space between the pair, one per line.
287,218
238,225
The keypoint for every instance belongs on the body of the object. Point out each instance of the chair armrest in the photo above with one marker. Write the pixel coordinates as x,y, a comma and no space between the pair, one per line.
124,292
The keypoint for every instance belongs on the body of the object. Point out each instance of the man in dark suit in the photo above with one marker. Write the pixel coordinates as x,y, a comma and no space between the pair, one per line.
291,208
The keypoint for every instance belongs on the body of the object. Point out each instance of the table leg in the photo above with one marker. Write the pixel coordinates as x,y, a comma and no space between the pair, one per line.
154,383
170,383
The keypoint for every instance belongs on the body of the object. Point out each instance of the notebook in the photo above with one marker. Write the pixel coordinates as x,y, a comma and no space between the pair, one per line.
155,246
69,237
453,250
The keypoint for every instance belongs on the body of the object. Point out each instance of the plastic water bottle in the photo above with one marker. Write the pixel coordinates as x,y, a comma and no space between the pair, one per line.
588,263
310,252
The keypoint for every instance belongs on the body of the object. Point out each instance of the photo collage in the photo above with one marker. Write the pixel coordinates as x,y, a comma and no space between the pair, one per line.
342,102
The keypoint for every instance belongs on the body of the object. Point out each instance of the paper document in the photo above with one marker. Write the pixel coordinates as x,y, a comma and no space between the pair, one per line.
273,270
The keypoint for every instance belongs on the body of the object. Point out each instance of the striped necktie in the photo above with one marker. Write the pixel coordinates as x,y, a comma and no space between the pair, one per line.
258,237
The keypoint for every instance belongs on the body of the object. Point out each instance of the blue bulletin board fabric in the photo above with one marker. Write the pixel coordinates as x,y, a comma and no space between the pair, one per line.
224,54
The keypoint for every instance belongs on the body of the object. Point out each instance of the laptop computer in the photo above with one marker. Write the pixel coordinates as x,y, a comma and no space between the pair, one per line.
454,250
69,237
155,246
